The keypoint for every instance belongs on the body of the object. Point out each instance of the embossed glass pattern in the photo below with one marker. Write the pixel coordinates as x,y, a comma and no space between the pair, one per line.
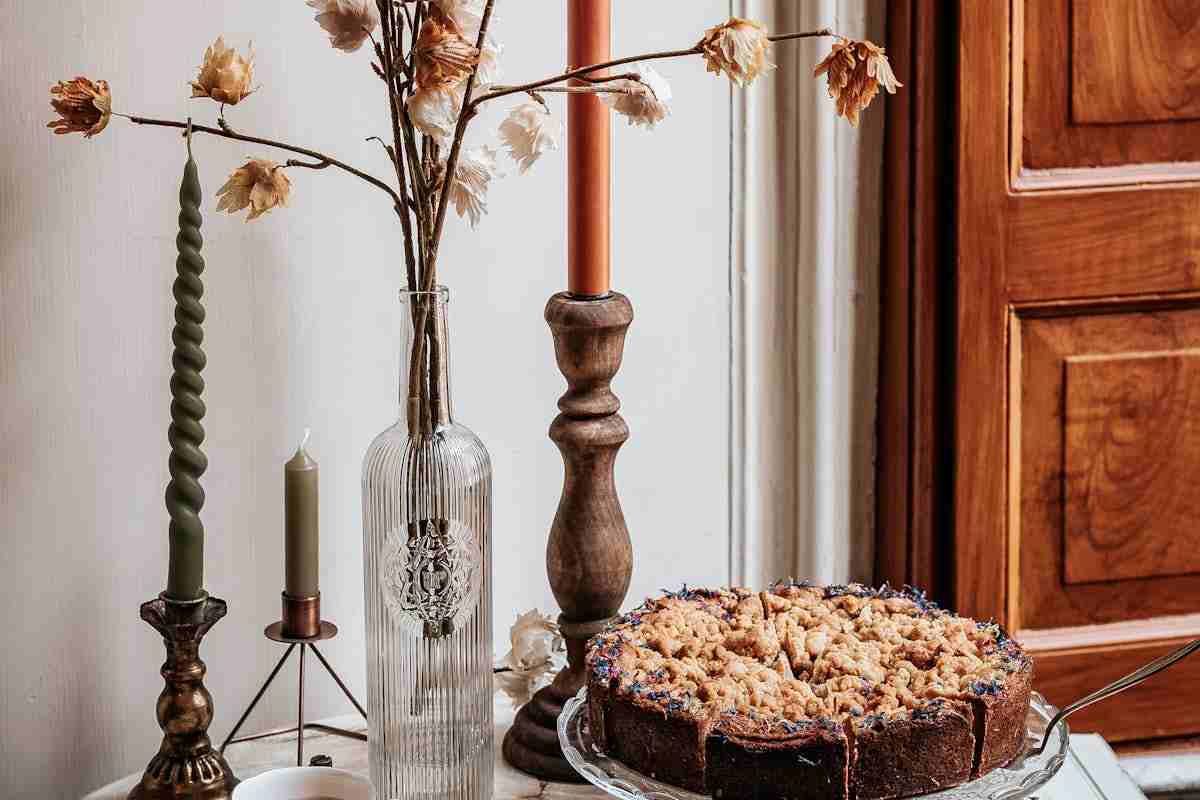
427,578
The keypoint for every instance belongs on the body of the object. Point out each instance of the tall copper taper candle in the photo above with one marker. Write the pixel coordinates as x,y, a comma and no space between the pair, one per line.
588,156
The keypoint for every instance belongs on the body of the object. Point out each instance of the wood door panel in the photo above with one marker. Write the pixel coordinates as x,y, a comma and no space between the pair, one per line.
1165,705
1078,244
1131,458
1135,61
1090,63
1069,570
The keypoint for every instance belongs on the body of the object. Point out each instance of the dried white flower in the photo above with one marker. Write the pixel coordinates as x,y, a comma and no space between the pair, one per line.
536,654
225,75
348,22
529,131
488,70
739,49
434,111
259,184
472,176
466,15
644,102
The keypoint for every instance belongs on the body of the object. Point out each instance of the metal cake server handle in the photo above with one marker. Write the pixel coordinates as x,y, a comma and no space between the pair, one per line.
1116,687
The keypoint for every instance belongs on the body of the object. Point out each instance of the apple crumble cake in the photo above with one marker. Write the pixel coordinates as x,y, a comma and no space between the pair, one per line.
806,691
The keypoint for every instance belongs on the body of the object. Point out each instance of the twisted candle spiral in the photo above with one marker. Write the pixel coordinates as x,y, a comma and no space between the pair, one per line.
185,497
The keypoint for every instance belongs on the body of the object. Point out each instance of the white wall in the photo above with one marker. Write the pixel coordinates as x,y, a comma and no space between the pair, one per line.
302,331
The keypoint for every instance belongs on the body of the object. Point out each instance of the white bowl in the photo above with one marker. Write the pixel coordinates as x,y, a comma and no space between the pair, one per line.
304,783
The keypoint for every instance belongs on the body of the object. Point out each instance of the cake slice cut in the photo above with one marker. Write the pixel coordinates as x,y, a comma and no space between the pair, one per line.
759,759
906,753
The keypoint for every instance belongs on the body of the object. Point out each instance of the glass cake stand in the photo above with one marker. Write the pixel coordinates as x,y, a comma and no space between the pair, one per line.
1019,779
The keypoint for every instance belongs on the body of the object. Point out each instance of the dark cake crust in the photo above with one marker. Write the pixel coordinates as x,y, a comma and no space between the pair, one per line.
1000,717
751,761
806,692
913,754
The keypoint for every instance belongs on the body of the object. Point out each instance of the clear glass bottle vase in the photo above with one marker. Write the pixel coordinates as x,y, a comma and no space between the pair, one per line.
427,518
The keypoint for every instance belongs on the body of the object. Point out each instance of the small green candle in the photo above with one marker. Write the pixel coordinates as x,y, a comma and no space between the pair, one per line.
185,496
301,544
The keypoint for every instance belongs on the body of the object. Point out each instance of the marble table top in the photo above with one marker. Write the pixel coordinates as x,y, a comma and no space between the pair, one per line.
1092,772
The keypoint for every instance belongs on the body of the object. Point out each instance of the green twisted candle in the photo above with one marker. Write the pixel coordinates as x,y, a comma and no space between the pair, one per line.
185,497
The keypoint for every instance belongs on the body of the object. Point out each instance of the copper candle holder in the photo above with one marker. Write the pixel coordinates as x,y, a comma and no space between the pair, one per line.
301,626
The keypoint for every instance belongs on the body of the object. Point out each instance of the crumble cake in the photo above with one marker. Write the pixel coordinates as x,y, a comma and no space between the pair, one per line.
806,691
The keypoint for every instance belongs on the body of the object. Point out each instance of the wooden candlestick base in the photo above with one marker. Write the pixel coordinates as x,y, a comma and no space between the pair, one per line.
588,556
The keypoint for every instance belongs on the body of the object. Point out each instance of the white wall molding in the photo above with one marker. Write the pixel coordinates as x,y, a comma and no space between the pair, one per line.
804,323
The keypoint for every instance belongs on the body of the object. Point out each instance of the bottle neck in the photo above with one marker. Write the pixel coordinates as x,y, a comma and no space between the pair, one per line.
425,362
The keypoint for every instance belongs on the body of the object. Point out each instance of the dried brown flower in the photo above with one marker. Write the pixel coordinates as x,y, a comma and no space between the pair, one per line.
225,75
442,57
348,22
739,49
855,70
258,184
83,106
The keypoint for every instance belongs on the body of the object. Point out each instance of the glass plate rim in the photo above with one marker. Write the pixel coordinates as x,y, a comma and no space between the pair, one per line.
1016,780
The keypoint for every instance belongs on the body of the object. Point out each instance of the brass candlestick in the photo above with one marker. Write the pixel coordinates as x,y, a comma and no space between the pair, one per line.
588,556
186,765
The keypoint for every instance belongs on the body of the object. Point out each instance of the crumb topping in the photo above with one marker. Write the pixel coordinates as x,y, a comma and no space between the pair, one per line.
798,654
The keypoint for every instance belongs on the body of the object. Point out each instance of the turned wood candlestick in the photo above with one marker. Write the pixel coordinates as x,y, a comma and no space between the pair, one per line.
588,557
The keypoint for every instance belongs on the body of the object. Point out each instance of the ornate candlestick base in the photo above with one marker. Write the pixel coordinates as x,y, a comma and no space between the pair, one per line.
588,557
186,766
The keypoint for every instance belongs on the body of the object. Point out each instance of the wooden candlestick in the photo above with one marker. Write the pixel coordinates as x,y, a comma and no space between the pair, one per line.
588,557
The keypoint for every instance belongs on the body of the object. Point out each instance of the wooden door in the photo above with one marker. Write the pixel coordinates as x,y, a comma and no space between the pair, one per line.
1076,485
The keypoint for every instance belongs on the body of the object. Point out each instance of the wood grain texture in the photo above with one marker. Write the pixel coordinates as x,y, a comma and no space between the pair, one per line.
980,497
1103,242
1130,461
1164,705
1117,45
589,556
1047,483
916,341
1135,61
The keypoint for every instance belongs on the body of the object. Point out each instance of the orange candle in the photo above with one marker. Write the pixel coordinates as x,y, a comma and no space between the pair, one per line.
588,156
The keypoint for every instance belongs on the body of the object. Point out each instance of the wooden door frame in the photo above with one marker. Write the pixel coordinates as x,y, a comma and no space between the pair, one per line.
946,160
915,434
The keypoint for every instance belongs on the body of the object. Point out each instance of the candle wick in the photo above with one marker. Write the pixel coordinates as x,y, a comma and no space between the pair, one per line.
304,441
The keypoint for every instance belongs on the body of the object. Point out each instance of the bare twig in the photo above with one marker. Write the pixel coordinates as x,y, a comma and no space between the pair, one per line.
295,162
584,72
229,133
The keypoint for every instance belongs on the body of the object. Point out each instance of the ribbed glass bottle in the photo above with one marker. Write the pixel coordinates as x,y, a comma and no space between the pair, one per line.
427,522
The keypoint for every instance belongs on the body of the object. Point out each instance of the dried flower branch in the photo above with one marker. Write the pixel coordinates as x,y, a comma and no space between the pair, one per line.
228,133
225,75
432,57
83,106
